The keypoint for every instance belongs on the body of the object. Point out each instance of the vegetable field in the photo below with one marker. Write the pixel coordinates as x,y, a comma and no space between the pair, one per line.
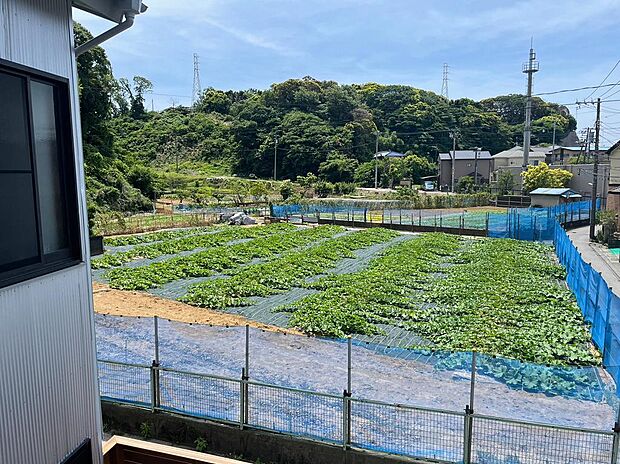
432,291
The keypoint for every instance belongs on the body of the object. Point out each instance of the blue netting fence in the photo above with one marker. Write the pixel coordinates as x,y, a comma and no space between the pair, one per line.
537,224
600,306
534,224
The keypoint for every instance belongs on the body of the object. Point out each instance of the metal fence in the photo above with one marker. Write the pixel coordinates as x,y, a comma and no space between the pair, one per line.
352,422
533,224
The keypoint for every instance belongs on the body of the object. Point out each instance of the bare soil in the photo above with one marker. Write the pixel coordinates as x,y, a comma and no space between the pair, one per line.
133,303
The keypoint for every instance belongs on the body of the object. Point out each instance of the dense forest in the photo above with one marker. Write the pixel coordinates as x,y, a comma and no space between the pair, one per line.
318,127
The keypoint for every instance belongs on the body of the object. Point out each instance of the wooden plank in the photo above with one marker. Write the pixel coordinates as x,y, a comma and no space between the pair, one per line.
123,450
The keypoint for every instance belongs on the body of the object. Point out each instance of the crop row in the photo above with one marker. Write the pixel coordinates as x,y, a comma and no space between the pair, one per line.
283,273
188,243
382,293
503,297
157,236
218,258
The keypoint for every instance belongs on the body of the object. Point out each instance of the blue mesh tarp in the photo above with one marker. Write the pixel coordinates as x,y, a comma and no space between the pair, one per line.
599,305
536,224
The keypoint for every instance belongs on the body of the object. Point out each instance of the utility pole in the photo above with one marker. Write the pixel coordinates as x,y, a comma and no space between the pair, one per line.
376,159
597,130
553,149
476,149
453,135
529,68
275,160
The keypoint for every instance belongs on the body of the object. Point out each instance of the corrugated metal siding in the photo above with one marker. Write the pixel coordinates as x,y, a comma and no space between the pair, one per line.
49,400
35,34
47,387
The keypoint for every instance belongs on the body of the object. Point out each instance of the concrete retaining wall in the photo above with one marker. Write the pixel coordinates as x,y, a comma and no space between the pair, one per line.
229,440
405,227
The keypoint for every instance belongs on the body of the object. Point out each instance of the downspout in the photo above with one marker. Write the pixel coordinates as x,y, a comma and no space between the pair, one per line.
92,43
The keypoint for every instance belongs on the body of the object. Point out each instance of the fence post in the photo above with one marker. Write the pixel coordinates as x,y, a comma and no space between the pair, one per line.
156,332
155,390
346,403
616,442
243,401
486,224
469,411
246,395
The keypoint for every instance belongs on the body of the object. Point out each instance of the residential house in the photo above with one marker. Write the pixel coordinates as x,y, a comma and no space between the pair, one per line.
49,398
467,163
514,157
613,198
575,155
389,154
544,197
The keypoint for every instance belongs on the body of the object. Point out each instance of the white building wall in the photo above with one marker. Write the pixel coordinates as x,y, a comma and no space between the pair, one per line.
49,400
614,160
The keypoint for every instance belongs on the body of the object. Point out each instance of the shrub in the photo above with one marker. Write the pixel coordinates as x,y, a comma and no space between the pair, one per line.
324,189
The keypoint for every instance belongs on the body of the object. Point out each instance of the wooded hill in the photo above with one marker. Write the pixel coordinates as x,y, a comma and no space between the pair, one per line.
321,127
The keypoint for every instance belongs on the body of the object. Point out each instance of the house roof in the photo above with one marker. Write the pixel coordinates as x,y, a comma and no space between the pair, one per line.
465,155
517,152
389,154
558,192
114,10
613,147
571,140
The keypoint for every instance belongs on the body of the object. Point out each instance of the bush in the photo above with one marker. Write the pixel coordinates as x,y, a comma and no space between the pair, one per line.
286,190
324,189
465,185
344,188
607,219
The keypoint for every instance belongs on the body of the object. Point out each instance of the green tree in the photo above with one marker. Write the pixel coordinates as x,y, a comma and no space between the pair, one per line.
286,190
338,168
465,185
542,176
505,183
212,100
134,94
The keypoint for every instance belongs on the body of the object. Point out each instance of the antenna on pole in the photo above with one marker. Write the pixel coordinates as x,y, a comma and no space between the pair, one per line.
196,89
444,84
529,68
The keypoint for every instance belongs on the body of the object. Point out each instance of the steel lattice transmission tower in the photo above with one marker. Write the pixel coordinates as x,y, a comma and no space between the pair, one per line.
529,68
196,89
444,84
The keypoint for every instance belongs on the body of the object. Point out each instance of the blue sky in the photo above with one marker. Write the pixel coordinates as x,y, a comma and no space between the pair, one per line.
251,44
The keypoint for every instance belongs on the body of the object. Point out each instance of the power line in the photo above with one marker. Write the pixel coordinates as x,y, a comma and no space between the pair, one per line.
576,89
608,90
603,81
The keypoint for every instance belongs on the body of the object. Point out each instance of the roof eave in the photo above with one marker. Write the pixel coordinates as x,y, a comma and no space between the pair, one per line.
113,10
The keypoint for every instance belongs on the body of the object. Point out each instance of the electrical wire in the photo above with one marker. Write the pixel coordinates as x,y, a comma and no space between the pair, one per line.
603,81
577,89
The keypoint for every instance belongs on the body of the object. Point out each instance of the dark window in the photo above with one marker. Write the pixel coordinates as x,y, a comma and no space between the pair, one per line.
81,455
40,233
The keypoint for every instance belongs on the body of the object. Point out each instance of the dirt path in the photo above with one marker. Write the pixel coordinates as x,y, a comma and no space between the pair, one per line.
132,303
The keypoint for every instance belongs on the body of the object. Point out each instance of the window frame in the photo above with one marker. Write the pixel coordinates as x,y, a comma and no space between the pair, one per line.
42,264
